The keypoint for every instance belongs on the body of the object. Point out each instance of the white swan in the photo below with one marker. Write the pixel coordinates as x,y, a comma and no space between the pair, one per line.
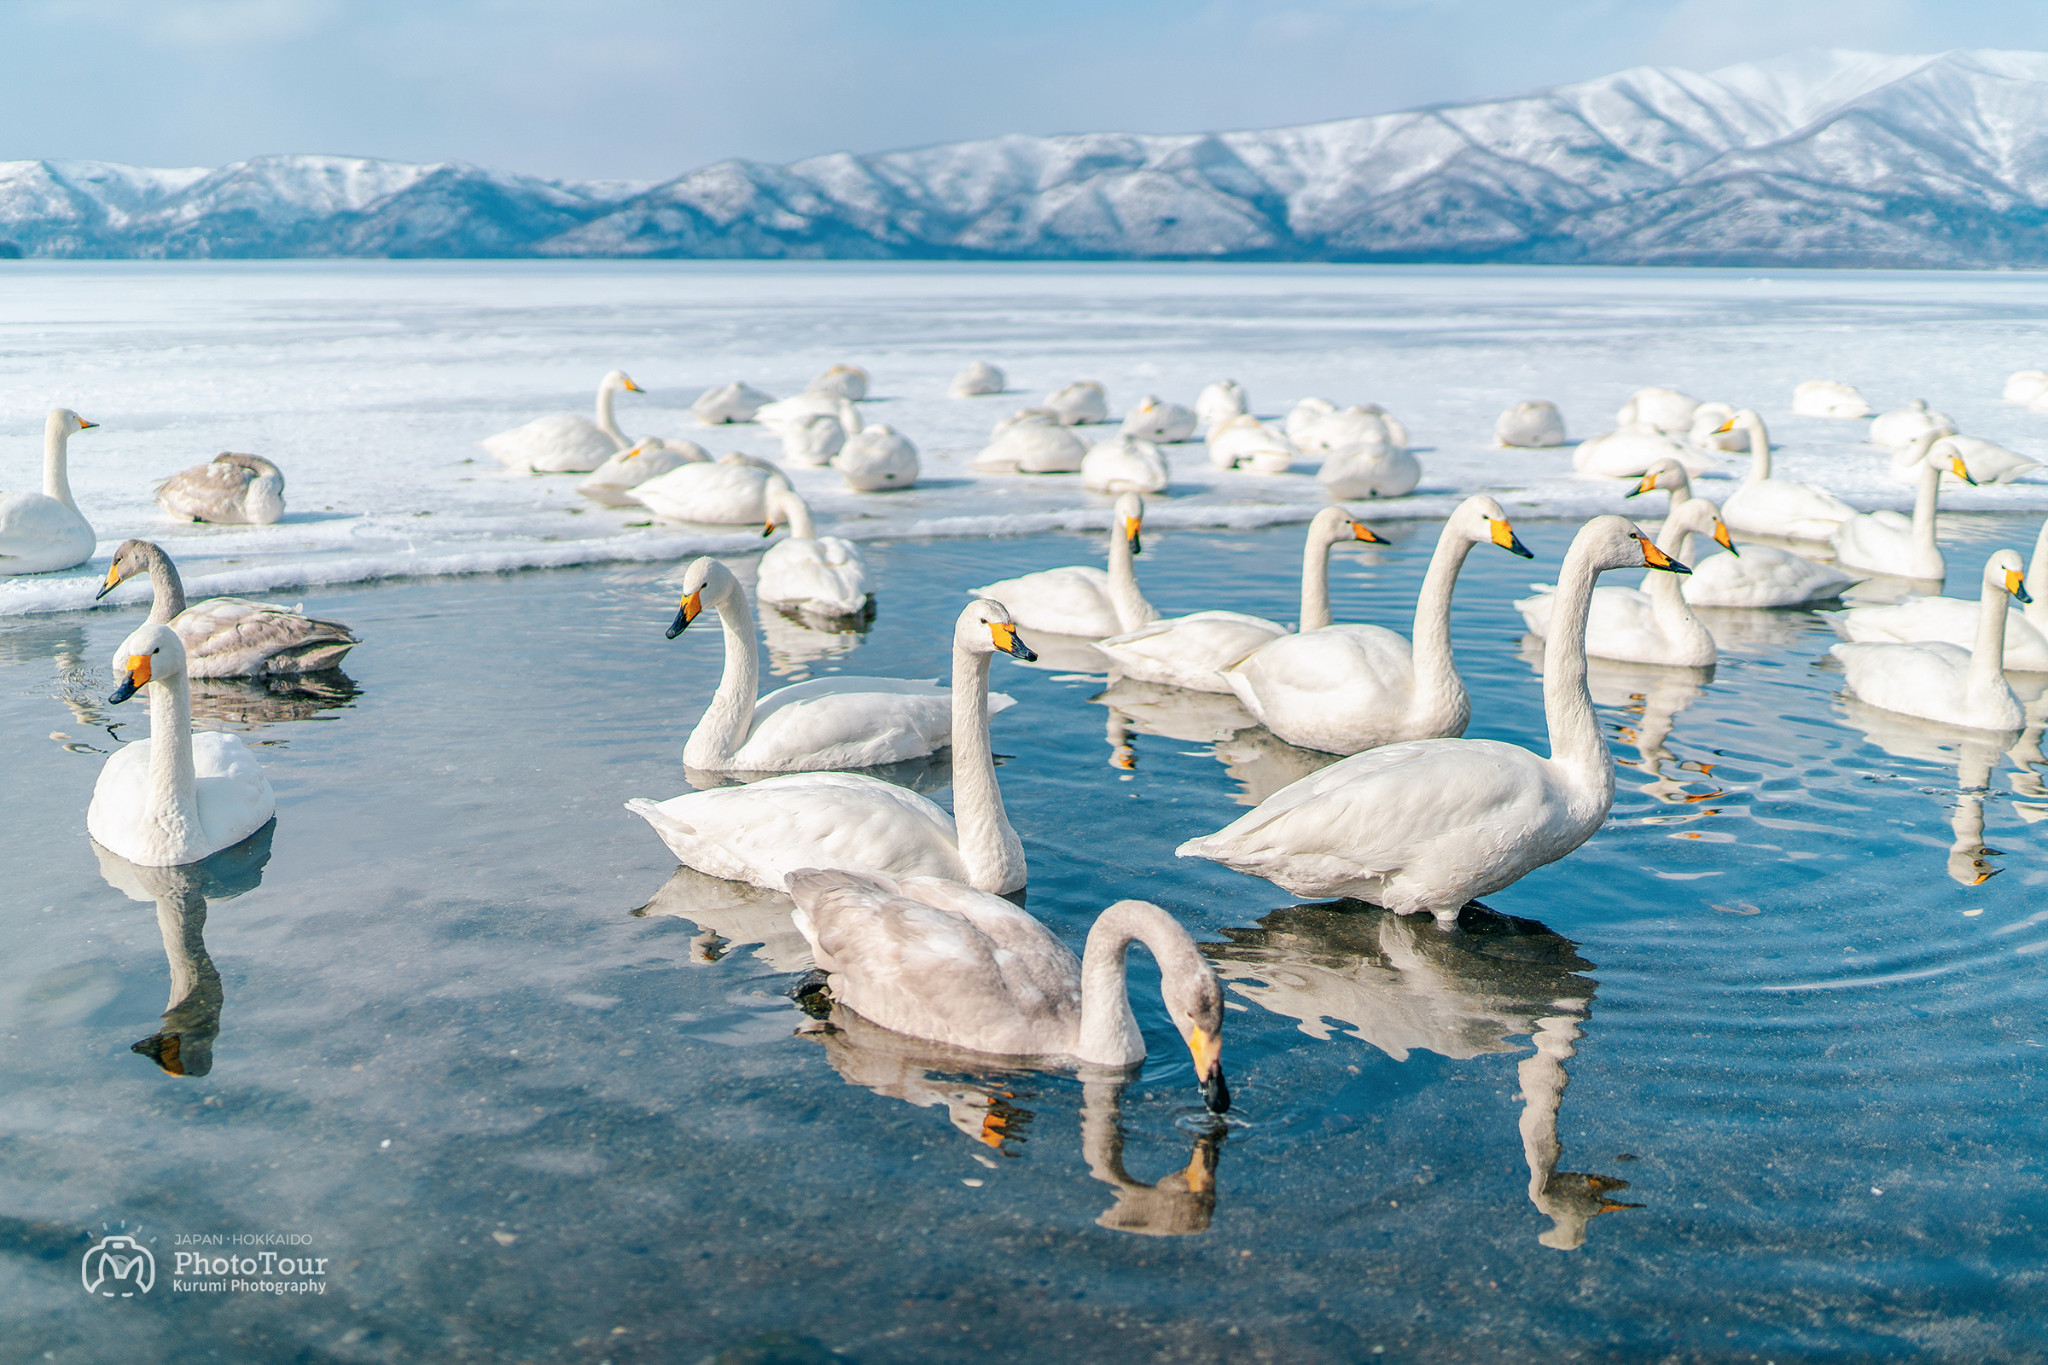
1344,430
1431,824
564,443
787,415
831,722
1901,427
1892,544
229,637
1124,464
1244,442
1828,398
612,482
232,489
42,532
1987,461
1787,508
1370,472
978,378
175,797
933,959
878,460
822,575
1159,422
1219,402
1667,410
1711,432
1343,688
813,441
1937,681
729,490
1080,403
1955,620
848,381
1041,445
734,402
2024,386
1079,599
1626,452
762,832
1534,422
1187,651
1305,414
1651,624
1761,576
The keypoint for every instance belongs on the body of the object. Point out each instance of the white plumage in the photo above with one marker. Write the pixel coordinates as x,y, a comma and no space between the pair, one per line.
564,443
822,575
1079,599
43,532
1940,682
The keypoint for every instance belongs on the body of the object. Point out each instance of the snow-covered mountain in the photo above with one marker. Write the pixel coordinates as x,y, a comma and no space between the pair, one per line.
1834,158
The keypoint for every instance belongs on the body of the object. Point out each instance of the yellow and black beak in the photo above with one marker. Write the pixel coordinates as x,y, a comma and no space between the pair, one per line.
1725,427
1208,1054
1360,531
1722,538
1505,537
1131,525
769,529
113,582
1005,636
1654,558
692,606
2016,584
1961,470
631,387
84,425
1648,485
134,680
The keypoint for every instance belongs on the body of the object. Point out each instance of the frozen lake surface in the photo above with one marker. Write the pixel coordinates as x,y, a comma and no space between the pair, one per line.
371,382
1783,1100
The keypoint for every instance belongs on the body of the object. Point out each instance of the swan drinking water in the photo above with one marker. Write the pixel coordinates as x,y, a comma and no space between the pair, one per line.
1079,599
229,637
762,832
564,443
1431,824
43,532
175,797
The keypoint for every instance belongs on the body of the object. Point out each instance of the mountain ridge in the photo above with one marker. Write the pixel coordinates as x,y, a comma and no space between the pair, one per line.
1820,158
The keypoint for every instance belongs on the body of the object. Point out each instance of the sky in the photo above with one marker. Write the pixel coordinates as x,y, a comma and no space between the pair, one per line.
648,89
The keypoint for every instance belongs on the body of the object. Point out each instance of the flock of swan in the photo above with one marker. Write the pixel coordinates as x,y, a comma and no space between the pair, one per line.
906,906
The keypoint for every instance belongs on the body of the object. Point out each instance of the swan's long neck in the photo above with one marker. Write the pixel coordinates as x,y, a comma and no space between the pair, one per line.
1438,688
991,850
1109,1031
173,809
1666,593
1315,582
1987,659
606,423
56,474
2037,580
1575,743
1759,451
167,589
726,721
798,513
1132,610
1924,501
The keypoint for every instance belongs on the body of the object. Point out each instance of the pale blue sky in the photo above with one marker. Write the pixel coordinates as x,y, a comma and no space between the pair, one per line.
649,88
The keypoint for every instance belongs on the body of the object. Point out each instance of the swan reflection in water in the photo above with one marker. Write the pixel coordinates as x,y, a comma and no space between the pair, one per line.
798,641
730,916
990,1107
1259,761
1654,696
183,1045
243,704
1402,987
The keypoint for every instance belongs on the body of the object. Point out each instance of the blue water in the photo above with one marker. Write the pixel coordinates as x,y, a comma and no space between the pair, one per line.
1785,1023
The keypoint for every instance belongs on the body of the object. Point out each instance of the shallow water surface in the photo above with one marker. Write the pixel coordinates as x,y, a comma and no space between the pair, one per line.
1757,1073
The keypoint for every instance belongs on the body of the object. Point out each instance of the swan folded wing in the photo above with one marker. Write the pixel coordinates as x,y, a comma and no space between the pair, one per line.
224,636
559,443
846,729
208,492
235,798
1073,600
1764,576
819,571
1346,668
1207,639
30,521
120,796
1921,678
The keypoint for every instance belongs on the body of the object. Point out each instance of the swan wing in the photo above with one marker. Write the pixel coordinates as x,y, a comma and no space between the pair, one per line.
561,443
235,799
1072,600
233,637
1338,689
41,530
1785,507
827,575
115,816
1927,679
713,492
1762,576
846,723
1186,651
207,492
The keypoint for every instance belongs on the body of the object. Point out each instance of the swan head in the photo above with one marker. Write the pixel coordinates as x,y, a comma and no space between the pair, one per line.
1612,542
1483,521
1669,475
618,379
63,421
151,654
1701,516
985,627
2003,573
1130,518
783,502
1952,459
705,577
1194,1001
1334,525
134,557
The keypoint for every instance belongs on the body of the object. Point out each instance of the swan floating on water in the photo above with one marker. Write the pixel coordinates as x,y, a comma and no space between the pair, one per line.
232,489
175,797
819,575
1124,464
1761,576
1080,403
229,637
1652,624
612,482
977,379
43,532
1957,621
1937,681
1891,544
878,460
564,443
1079,599
1429,825
762,832
1787,508
1828,398
1533,422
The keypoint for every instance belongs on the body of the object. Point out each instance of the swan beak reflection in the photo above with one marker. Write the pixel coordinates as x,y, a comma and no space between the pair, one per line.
135,681
1005,636
2016,584
1360,531
1722,539
1208,1054
1505,537
1962,471
113,582
692,605
1131,525
1654,558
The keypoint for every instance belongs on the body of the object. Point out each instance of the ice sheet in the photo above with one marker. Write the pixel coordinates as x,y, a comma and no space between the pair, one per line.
371,382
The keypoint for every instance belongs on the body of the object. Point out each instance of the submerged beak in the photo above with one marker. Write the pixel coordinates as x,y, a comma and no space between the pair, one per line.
692,605
2016,584
137,678
1722,539
1504,536
1131,525
1655,558
1005,636
113,582
1208,1054
1360,531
